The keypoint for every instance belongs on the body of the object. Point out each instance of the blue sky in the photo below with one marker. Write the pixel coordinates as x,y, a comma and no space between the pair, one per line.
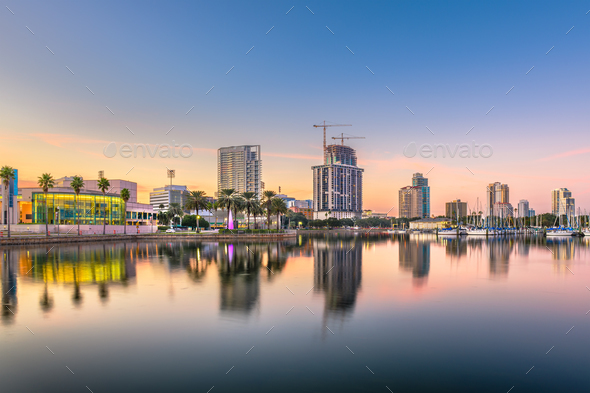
449,62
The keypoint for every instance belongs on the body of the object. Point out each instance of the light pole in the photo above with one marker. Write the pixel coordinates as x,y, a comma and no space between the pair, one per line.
198,218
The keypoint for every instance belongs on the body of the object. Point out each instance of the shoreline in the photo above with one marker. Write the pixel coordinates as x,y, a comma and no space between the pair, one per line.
69,239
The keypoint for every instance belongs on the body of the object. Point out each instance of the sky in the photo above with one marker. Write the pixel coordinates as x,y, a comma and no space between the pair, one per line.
78,76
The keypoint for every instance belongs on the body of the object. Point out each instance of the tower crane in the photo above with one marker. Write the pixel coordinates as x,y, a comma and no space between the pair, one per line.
342,137
329,125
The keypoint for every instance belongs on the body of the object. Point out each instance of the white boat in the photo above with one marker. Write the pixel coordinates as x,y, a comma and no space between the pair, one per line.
586,232
479,232
560,232
452,232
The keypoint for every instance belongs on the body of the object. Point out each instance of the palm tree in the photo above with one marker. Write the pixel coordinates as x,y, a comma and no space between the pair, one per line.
279,207
160,214
227,199
257,210
197,200
250,201
103,185
6,175
267,198
77,184
238,207
125,197
175,210
45,181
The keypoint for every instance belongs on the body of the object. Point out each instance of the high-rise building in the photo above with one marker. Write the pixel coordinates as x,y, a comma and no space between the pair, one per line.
451,209
523,208
167,195
497,193
420,181
562,202
240,168
410,202
532,212
338,184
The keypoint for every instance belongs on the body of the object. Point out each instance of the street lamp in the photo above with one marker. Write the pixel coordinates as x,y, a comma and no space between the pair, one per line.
300,224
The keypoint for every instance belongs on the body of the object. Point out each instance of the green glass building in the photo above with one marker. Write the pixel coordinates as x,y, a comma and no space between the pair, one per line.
92,209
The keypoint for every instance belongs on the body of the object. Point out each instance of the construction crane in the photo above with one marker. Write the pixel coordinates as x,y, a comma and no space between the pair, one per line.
347,137
329,125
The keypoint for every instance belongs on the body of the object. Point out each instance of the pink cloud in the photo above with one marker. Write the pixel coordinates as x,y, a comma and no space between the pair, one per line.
567,154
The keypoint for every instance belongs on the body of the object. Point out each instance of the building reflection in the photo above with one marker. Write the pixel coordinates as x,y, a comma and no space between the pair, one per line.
338,272
455,247
414,256
75,266
9,285
499,256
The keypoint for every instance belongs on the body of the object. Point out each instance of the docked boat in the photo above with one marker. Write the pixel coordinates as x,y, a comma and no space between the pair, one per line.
452,232
560,232
481,232
586,232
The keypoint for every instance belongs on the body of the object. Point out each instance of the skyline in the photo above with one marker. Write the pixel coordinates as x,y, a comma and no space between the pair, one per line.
447,64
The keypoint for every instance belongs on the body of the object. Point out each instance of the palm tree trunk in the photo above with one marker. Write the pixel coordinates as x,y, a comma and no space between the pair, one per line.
77,215
197,220
46,217
104,221
125,219
7,208
278,220
248,217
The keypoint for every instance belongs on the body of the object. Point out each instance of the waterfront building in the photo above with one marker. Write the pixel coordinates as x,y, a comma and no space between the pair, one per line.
240,168
167,195
91,206
562,202
410,202
420,181
430,223
532,212
338,185
523,208
451,209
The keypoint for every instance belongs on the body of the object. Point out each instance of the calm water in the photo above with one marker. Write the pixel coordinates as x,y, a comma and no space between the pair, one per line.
314,314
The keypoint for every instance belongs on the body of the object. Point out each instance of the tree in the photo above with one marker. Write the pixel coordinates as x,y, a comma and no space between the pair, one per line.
125,197
250,202
6,175
77,184
297,218
197,201
226,199
175,210
267,198
190,220
45,181
103,185
257,210
279,207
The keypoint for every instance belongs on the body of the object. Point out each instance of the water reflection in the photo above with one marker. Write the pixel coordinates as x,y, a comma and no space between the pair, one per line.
9,286
414,256
241,268
338,272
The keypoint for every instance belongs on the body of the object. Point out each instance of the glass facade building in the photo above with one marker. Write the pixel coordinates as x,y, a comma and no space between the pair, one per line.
92,209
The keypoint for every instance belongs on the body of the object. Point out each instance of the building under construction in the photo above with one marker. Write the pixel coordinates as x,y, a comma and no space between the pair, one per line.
338,184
